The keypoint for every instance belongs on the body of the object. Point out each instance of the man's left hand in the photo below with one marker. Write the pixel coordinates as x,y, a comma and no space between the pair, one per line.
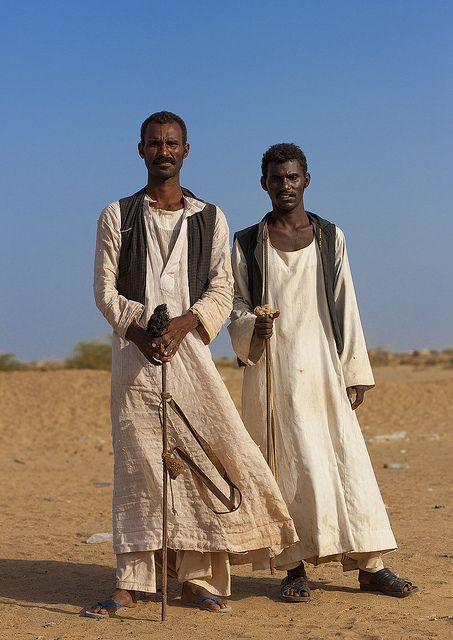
168,343
356,394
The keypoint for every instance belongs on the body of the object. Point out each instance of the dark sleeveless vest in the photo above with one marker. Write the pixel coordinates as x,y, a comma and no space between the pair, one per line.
131,282
251,243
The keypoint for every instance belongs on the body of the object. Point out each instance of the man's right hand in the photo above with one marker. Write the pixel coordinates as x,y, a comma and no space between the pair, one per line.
143,341
264,326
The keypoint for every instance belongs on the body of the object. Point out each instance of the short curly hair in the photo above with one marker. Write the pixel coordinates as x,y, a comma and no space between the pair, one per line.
163,117
283,152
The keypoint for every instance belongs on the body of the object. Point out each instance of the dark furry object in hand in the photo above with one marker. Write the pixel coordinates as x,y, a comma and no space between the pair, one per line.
159,321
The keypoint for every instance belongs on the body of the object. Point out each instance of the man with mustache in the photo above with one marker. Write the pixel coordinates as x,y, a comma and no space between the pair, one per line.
163,245
296,262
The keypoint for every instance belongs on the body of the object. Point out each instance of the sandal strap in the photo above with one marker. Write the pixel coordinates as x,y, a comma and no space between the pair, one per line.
386,581
295,582
214,599
386,575
109,603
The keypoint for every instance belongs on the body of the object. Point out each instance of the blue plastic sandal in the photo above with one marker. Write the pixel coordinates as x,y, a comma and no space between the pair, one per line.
104,605
200,599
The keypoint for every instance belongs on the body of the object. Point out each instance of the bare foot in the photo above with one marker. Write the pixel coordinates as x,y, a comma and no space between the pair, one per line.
122,596
194,595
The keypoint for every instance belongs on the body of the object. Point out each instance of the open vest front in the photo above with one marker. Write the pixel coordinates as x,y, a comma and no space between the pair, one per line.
131,282
251,242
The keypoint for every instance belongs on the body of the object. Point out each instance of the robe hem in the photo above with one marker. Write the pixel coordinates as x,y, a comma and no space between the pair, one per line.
276,538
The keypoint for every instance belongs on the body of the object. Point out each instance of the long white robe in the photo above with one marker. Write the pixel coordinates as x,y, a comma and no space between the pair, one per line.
324,471
262,522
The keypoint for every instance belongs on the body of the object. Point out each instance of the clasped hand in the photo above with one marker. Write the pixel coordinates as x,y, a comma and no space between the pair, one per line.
163,348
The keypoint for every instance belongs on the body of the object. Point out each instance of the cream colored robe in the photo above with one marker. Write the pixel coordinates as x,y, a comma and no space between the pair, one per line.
324,471
262,522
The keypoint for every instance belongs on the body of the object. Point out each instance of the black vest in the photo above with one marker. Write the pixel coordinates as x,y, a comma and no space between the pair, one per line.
131,282
251,243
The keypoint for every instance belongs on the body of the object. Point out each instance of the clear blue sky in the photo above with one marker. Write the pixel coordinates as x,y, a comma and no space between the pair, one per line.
365,88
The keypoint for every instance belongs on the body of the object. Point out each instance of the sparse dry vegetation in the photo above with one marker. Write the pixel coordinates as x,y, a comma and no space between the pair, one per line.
96,354
382,357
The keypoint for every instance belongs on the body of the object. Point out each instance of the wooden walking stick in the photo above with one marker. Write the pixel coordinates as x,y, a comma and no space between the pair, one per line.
157,324
270,444
266,310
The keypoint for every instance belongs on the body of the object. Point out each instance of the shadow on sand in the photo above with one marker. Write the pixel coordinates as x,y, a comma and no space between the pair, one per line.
53,582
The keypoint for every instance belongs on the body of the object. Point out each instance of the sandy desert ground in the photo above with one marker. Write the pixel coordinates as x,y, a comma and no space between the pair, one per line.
55,447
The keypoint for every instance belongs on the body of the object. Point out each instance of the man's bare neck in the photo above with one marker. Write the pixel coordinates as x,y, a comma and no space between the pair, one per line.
166,195
289,220
290,230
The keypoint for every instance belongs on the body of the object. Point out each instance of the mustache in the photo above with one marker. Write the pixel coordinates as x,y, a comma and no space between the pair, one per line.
162,159
284,192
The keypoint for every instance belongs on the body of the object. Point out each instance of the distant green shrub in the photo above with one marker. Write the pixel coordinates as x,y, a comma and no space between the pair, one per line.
9,362
90,354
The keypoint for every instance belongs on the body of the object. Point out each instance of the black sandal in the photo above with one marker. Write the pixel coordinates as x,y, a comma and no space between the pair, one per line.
386,582
298,583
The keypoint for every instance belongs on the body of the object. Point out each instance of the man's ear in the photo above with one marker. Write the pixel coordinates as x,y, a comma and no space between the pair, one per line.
140,150
263,183
307,179
186,150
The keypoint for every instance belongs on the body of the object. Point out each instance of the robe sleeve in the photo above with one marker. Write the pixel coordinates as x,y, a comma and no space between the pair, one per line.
354,358
117,310
247,346
214,306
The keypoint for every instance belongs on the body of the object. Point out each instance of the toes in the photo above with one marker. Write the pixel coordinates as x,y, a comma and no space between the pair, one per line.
295,593
214,606
101,611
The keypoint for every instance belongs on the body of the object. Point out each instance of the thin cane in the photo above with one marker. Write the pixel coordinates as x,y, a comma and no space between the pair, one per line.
270,427
270,431
164,396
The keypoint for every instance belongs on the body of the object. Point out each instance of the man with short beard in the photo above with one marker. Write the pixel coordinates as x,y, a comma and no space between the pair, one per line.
163,245
296,262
